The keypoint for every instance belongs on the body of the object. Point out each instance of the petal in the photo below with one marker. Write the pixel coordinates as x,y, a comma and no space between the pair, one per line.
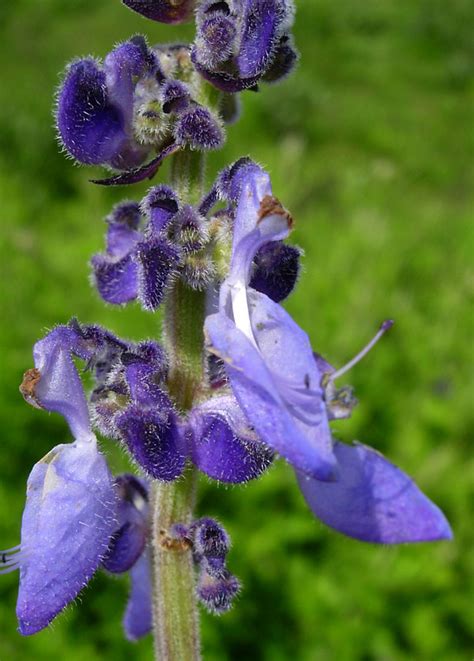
373,500
276,269
157,260
91,127
154,441
160,204
285,346
135,175
137,620
259,217
223,445
142,375
122,234
122,67
260,35
68,521
165,11
56,385
128,541
223,80
257,393
116,280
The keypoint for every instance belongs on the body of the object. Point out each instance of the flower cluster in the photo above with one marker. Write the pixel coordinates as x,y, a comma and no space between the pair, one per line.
261,391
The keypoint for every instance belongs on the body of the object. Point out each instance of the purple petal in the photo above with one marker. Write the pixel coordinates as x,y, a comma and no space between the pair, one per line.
116,280
68,521
122,67
260,35
223,446
154,441
137,620
128,541
142,376
122,234
305,446
276,269
91,127
223,80
164,11
158,260
373,500
54,383
259,217
160,204
136,175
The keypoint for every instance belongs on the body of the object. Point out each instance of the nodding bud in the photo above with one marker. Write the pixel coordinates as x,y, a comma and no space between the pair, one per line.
188,229
210,540
175,96
198,128
217,593
164,11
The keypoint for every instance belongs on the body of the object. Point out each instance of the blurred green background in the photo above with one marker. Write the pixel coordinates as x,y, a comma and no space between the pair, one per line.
370,144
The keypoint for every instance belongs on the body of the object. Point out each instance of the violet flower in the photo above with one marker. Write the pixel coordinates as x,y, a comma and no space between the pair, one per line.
69,514
118,113
240,42
288,400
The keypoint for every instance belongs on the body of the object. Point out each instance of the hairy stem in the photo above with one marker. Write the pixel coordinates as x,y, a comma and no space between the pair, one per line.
175,613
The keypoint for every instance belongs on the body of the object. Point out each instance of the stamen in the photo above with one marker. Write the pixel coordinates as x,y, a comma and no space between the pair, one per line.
9,569
384,327
10,559
240,310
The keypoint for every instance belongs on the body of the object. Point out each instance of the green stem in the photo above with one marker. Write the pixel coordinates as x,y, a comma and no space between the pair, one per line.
175,613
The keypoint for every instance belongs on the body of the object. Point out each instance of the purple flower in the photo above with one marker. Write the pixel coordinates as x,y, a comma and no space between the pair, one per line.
239,43
138,263
118,113
70,509
95,106
288,395
77,518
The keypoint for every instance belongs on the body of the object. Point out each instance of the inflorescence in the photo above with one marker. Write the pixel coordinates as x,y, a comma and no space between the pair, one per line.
263,393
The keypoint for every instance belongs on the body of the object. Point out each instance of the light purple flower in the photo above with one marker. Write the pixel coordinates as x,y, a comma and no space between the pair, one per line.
70,511
288,395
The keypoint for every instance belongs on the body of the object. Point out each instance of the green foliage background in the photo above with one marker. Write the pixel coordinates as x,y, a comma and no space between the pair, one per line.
370,144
